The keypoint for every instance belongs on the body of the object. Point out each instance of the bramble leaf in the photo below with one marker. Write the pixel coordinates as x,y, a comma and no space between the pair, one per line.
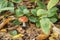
45,25
41,12
3,3
22,7
6,8
16,22
52,12
26,11
41,5
34,11
19,13
52,3
32,19
53,20
38,24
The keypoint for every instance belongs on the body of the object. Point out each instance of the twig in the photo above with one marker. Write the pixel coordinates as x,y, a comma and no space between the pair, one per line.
12,28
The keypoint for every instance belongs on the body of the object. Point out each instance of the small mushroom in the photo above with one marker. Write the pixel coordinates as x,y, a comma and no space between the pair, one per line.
23,19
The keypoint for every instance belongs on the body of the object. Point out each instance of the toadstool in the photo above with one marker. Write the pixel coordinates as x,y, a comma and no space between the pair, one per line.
23,19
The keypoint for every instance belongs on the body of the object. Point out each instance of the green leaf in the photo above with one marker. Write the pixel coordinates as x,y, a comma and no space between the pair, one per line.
52,12
26,11
19,13
10,4
16,22
41,5
34,11
6,8
32,19
52,3
17,1
22,7
53,20
3,4
1,1
38,24
41,12
45,25
13,32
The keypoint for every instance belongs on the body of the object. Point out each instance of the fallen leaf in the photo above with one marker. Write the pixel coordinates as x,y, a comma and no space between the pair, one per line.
3,30
19,35
42,37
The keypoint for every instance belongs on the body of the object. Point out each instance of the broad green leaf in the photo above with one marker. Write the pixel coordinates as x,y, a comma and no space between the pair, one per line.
41,12
32,19
52,3
53,20
19,13
26,11
13,32
17,1
34,11
22,7
38,24
6,8
16,22
10,4
3,3
41,5
52,12
45,25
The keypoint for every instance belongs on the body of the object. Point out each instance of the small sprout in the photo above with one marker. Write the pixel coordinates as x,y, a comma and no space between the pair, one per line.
23,19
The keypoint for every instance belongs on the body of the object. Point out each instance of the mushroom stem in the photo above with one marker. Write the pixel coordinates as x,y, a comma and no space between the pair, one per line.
24,24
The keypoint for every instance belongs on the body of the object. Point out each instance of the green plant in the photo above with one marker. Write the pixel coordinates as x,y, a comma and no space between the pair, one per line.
13,32
45,15
5,5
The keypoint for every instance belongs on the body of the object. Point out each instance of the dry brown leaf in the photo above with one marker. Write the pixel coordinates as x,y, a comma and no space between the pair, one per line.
1,17
5,22
41,37
53,36
3,30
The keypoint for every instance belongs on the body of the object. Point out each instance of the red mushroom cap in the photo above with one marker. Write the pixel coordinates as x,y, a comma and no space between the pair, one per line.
23,19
